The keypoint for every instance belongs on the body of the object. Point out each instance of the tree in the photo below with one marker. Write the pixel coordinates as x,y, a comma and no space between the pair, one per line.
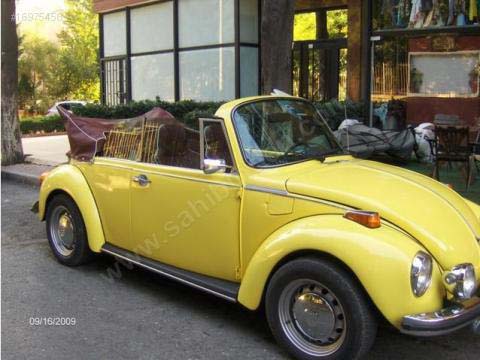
12,151
277,37
76,72
36,61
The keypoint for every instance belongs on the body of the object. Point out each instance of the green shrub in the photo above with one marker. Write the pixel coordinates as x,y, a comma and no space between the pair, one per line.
43,124
185,109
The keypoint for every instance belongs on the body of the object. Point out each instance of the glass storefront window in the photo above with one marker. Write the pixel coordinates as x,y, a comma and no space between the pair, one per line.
248,71
207,75
114,34
320,54
419,14
336,25
206,22
152,27
429,77
447,74
152,76
249,21
390,78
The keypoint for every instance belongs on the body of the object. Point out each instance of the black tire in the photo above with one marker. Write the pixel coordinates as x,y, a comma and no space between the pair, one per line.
79,251
351,319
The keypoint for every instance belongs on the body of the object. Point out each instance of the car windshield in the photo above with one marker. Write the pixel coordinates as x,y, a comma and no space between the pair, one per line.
277,132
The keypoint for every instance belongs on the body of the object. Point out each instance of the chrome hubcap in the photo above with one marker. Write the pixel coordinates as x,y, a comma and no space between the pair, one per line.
62,231
312,317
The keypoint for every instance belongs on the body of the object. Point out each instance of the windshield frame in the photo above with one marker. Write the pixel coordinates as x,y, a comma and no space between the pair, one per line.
330,135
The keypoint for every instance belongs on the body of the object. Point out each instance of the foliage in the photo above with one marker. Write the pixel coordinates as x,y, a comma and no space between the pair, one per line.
337,23
305,25
49,72
42,124
37,58
76,75
187,110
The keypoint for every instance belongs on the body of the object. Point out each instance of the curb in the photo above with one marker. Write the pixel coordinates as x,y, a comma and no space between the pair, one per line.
20,177
24,173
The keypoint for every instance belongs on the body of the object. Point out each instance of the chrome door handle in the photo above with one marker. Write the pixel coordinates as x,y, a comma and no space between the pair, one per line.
142,180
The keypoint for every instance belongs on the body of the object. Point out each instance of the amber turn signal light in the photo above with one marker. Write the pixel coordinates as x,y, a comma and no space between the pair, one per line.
43,177
369,219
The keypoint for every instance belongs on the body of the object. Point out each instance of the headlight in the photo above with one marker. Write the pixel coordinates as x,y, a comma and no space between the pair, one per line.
462,281
421,273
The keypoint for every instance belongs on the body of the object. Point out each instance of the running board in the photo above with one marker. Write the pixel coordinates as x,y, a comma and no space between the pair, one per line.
222,288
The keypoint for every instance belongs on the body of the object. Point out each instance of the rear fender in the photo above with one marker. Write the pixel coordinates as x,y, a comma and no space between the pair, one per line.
69,179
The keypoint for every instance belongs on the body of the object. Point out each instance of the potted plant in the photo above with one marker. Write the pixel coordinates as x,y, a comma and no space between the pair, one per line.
416,80
473,81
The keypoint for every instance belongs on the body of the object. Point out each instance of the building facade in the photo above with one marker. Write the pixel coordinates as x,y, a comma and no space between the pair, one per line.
188,49
425,53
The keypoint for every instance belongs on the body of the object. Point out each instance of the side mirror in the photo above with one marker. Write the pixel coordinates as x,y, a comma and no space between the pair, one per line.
211,166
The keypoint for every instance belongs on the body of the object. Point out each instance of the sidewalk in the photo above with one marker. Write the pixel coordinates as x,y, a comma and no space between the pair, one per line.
46,150
41,154
26,173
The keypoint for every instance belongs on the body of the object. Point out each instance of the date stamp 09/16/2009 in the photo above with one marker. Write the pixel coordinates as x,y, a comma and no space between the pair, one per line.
52,321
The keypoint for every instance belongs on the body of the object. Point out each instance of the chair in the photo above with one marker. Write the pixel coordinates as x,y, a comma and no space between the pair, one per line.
442,119
452,145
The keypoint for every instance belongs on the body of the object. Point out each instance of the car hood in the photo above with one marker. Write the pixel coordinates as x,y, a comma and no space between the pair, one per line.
431,212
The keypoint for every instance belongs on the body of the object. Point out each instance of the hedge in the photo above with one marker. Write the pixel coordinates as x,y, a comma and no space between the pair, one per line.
43,124
187,110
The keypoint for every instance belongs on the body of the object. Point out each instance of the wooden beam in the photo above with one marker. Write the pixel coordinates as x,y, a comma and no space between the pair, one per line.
100,6
354,63
304,5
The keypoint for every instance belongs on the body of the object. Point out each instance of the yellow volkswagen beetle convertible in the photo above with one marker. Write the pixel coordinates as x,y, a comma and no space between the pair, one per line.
261,206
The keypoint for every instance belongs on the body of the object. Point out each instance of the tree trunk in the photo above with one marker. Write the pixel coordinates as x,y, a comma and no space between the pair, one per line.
276,42
12,151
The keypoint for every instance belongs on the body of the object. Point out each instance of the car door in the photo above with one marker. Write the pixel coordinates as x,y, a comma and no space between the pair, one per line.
109,179
182,216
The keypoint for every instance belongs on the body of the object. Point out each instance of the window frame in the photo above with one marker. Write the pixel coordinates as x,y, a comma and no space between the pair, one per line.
221,121
177,49
292,98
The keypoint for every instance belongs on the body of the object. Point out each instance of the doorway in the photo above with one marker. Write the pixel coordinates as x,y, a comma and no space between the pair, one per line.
319,59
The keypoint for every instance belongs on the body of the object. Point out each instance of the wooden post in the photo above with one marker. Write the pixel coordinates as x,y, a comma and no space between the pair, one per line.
354,63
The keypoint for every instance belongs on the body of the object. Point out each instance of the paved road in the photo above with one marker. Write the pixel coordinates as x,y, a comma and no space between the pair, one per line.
46,150
141,315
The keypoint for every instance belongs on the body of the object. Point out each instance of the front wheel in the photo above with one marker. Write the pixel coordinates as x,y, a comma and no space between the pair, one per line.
66,232
317,311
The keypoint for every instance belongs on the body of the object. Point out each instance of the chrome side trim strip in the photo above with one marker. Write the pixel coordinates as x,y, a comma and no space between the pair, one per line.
170,276
266,190
322,201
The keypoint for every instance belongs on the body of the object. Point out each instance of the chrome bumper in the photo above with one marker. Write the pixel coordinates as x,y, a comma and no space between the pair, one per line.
443,321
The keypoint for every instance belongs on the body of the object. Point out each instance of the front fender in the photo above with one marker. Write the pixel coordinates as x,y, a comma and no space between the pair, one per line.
69,179
474,207
380,258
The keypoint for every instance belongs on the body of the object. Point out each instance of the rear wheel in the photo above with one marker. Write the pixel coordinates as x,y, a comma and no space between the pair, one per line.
317,311
66,232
